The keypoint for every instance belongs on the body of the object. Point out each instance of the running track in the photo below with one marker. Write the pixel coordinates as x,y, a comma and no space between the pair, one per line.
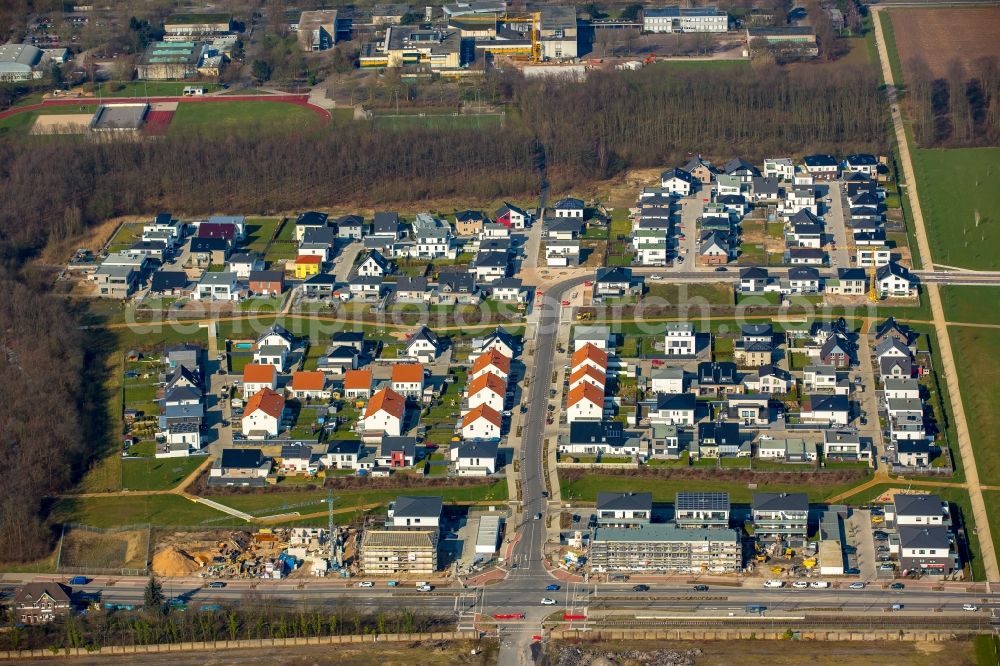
299,100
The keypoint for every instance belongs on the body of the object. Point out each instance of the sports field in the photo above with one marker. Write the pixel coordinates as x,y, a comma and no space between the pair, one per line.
258,114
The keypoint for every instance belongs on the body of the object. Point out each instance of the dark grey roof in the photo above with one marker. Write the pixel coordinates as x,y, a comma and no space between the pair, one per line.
164,280
350,221
411,284
913,446
296,450
803,273
492,259
754,273
687,501
756,330
724,433
807,229
731,200
408,445
385,223
208,244
835,344
596,432
417,507
820,160
804,216
771,370
861,159
625,501
470,215
348,337
427,334
320,236
569,203
780,502
678,173
344,446
932,536
478,449
739,164
565,224
893,269
852,274
917,505
502,210
675,401
241,458
890,324
311,218
318,279
267,276
379,260
829,403
179,393
457,281
806,253
717,372
613,275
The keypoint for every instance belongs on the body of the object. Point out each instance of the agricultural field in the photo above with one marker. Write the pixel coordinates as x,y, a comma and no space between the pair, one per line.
960,200
971,305
941,35
973,349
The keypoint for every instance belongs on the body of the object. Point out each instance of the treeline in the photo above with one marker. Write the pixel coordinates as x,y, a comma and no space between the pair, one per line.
661,115
249,620
959,109
42,434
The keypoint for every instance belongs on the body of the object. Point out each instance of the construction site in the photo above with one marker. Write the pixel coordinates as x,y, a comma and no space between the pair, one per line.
272,554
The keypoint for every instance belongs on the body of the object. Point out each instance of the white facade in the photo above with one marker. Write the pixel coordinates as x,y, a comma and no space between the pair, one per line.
780,168
481,428
584,410
383,421
260,421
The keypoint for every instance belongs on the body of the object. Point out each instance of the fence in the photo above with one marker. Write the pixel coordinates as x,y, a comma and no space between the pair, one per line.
89,550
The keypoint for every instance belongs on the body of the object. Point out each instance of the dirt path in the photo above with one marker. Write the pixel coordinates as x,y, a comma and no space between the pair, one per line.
940,322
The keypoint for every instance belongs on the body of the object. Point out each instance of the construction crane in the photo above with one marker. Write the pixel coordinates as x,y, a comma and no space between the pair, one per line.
534,20
873,288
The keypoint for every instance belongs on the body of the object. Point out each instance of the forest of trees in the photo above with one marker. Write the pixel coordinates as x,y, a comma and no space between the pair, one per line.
959,109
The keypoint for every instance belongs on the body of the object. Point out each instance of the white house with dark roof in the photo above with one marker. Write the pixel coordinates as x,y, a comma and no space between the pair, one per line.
624,509
424,345
421,512
569,207
895,281
475,458
678,181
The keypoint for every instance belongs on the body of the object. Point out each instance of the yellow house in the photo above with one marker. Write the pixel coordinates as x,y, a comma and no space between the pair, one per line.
307,265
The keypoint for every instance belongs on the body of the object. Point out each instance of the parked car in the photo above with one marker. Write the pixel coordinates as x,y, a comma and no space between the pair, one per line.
538,516
897,586
819,584
79,580
721,269
774,583
366,583
425,587
896,607
857,586
700,588
800,584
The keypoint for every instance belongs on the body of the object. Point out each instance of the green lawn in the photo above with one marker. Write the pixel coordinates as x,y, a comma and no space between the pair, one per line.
242,115
973,305
979,377
260,231
690,294
890,45
280,250
157,473
664,489
954,185
137,510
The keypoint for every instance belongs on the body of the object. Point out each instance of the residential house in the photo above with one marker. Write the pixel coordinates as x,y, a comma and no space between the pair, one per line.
240,467
482,422
374,265
845,445
599,336
387,225
753,280
755,346
266,283
827,410
217,287
917,510
39,603
822,167
307,265
585,403
666,548
457,286
487,389
769,379
396,452
432,238
791,450
155,250
408,379
913,453
569,207
805,256
322,285
718,378
384,414
779,168
298,458
475,458
612,282
849,282
209,251
169,283
562,253
424,345
597,438
262,414
310,385
587,374
257,377
862,163
421,512
819,378
339,359
742,169
680,340
469,222
412,290
564,229
590,355
393,552
765,189
275,355
719,440
512,217
320,241
342,454
893,280
673,409
624,509
309,220
929,550
678,181
836,351
890,328
803,279
901,388
906,418
714,249
781,517
701,510
668,380
490,266
508,290
499,340
806,235
490,362
873,255
350,227
749,409
700,169
357,384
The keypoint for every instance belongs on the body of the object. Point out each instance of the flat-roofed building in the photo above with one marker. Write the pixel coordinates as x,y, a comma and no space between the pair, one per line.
318,30
391,552
184,25
170,60
701,510
666,548
411,45
684,19
557,32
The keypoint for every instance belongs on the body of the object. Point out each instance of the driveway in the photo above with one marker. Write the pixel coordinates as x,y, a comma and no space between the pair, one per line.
687,248
835,215
344,261
859,535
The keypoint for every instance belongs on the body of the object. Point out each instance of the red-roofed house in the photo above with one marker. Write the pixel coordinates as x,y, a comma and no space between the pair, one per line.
585,403
358,384
492,362
384,414
408,379
483,422
262,415
589,374
257,376
592,356
487,389
310,384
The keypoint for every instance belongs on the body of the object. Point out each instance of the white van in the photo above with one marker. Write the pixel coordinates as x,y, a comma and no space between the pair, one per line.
774,583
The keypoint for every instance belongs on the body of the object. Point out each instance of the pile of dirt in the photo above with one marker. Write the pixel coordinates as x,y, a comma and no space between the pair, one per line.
173,561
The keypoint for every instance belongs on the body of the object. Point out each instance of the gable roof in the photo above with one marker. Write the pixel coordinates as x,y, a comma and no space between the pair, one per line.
829,403
738,163
754,273
267,276
509,207
804,216
679,174
311,218
893,269
417,507
358,379
592,353
376,257
408,373
386,400
917,505
483,411
596,432
780,502
349,221
487,381
258,373
587,371
613,275
267,401
208,244
585,391
344,446
305,259
889,325
675,401
320,236
407,283
408,445
835,344
491,358
385,222
478,449
30,593
308,380
470,216
887,345
241,458
424,334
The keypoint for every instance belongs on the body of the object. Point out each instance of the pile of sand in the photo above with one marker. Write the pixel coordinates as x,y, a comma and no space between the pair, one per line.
172,561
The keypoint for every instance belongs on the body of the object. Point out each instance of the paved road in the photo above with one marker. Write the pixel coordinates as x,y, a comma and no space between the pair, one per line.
836,213
940,321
